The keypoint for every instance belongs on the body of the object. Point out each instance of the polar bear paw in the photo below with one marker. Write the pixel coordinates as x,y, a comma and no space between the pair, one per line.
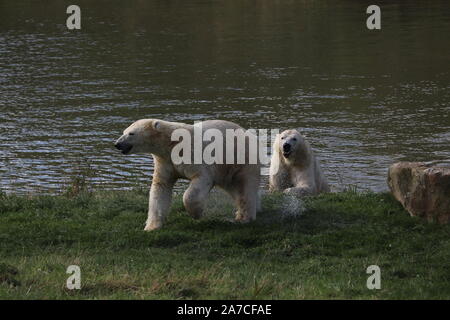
152,226
242,218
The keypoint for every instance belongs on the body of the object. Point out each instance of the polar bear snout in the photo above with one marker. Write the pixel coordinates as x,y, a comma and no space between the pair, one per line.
123,147
287,148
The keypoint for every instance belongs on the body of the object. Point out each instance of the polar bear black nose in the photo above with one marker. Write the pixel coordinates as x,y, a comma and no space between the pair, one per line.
123,147
286,147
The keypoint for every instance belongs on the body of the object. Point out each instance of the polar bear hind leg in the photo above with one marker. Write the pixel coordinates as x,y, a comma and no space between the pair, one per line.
244,191
195,195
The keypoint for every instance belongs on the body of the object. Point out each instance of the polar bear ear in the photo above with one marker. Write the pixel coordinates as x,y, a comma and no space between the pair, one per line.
157,125
299,132
163,126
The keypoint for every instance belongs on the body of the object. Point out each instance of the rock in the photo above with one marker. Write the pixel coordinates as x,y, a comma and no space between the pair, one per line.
422,188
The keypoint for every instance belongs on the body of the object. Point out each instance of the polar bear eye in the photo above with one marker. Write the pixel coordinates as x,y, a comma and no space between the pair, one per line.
294,139
131,133
282,138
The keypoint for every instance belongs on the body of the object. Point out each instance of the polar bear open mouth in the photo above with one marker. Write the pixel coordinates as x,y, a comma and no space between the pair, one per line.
286,154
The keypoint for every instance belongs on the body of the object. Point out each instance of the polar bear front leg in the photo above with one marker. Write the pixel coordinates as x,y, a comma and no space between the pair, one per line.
195,195
159,204
279,178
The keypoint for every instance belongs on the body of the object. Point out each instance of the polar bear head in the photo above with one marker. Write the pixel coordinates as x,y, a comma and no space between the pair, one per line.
146,136
292,146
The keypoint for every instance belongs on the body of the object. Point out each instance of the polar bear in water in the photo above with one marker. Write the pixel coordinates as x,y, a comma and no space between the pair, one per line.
294,168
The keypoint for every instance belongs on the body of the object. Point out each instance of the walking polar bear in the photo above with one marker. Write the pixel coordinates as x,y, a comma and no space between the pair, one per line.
154,136
294,168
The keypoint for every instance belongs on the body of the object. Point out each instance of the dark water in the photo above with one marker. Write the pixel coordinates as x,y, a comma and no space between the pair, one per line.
363,98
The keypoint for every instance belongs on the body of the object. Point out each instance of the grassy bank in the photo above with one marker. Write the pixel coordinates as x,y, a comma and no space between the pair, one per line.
321,253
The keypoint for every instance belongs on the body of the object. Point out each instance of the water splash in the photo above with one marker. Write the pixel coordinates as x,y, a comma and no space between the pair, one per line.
292,206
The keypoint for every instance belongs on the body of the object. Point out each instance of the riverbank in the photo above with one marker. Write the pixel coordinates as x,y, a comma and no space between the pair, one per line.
318,249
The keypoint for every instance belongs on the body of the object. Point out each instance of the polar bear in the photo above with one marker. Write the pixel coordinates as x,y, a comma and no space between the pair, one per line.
294,168
154,136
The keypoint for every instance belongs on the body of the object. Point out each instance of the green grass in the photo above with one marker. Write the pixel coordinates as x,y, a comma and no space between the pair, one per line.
321,253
